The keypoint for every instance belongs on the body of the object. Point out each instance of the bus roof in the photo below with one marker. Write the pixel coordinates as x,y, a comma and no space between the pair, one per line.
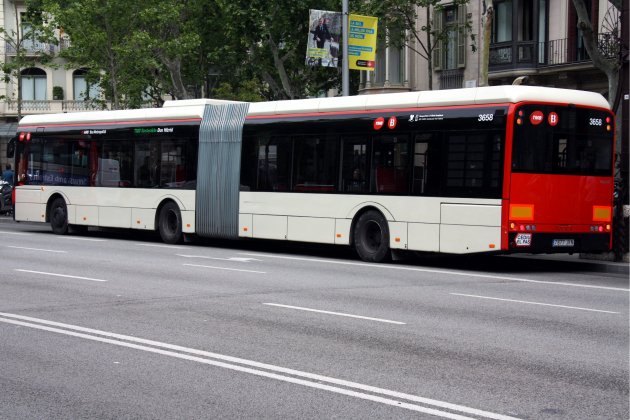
194,108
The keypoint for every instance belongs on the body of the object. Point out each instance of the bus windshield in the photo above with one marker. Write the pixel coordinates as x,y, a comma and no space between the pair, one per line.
562,140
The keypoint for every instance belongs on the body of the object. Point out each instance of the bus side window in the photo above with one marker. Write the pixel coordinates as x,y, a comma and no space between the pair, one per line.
420,164
354,166
390,164
249,163
274,164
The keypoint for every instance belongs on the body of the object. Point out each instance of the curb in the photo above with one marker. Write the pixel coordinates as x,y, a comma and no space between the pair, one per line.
600,266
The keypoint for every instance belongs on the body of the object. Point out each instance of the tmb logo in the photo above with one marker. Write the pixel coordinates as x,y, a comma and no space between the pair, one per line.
379,123
536,118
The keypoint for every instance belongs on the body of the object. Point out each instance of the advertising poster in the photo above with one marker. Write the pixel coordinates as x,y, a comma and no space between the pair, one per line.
322,48
362,42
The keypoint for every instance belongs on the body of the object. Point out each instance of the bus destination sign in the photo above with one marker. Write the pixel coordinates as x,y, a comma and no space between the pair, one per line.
153,130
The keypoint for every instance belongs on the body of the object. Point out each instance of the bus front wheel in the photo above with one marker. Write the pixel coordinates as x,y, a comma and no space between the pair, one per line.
371,237
59,216
170,223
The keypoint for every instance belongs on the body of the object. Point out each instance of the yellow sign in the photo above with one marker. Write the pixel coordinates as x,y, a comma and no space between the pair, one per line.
362,42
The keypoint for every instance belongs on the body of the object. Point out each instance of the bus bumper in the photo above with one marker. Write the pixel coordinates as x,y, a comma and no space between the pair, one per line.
558,242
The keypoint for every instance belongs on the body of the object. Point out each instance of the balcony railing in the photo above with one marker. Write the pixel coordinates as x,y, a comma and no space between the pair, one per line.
47,106
531,54
32,48
451,79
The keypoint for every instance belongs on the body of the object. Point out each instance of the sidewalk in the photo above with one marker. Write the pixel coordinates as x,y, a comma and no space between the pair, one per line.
588,263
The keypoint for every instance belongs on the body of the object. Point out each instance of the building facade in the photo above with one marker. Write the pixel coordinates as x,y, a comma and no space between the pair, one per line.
47,85
538,39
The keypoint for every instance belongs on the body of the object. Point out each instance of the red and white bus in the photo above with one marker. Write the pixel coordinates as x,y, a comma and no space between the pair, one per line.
499,169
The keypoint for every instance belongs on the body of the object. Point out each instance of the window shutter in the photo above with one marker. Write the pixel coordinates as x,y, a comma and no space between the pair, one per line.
461,36
438,16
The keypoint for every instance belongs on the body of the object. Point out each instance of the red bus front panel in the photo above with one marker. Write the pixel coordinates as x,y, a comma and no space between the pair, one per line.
561,181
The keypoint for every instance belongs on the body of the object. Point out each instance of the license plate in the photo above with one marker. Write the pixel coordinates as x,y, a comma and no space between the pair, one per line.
560,243
523,239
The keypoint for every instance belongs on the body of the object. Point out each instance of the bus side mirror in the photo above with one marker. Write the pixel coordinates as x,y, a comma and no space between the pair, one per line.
11,148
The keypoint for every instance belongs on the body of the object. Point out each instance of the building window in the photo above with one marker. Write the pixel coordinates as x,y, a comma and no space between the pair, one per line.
502,30
83,90
450,25
34,84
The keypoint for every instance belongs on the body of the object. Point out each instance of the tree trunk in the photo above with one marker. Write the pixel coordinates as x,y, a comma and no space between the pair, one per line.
429,53
19,57
485,48
610,67
282,72
174,67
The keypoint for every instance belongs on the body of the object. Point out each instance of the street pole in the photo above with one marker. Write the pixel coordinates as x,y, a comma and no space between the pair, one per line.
345,76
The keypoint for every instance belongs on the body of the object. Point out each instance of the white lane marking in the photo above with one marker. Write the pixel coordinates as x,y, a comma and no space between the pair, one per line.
37,249
14,233
335,313
223,268
237,259
162,246
58,275
295,373
426,270
534,303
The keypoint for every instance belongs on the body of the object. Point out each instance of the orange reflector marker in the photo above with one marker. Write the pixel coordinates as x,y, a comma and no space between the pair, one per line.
491,246
245,229
137,222
187,225
602,214
397,239
521,212
339,235
85,218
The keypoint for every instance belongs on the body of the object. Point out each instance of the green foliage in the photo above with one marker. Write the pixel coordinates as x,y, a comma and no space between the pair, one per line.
140,50
247,91
400,18
20,40
57,93
270,39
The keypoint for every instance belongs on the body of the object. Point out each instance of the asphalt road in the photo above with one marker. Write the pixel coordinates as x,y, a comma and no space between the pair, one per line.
106,326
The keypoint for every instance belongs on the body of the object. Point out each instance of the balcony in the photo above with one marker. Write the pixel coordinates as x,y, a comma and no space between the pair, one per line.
451,79
558,52
30,107
32,48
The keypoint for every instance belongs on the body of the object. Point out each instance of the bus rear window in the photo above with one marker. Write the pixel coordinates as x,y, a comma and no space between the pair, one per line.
562,140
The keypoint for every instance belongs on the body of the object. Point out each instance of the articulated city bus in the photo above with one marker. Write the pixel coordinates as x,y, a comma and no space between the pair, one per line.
499,169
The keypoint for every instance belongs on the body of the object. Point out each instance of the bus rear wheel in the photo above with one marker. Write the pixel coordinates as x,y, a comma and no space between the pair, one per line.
170,223
59,216
371,237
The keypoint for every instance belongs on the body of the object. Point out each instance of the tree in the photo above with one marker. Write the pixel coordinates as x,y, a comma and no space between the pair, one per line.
100,42
487,20
271,37
168,29
23,40
608,65
609,61
399,19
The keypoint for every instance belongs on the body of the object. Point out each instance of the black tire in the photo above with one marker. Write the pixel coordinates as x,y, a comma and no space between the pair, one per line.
170,223
58,216
371,237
